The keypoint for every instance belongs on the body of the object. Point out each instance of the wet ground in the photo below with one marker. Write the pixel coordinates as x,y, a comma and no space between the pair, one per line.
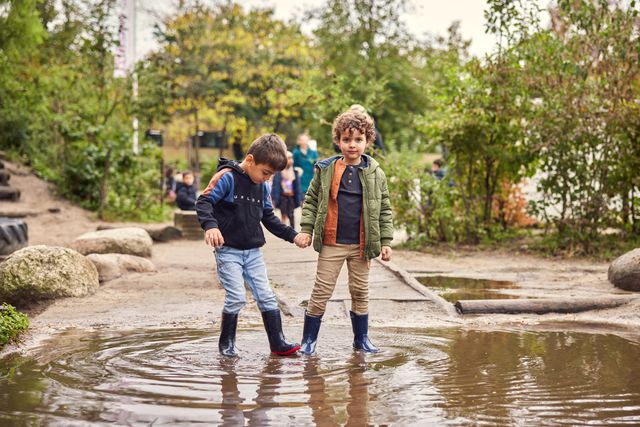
450,376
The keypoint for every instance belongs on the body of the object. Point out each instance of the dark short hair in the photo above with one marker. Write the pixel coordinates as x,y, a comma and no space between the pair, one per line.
354,120
438,162
187,172
269,149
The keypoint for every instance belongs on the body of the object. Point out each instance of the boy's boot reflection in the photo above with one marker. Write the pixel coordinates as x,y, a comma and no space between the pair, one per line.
358,404
231,402
266,394
321,409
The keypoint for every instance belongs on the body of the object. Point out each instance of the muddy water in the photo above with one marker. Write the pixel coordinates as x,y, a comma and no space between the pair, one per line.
461,288
421,377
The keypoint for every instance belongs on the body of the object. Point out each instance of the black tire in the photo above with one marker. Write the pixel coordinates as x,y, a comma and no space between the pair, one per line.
9,193
13,235
4,177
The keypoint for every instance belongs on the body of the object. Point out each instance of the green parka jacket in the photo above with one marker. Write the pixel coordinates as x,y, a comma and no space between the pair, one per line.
377,214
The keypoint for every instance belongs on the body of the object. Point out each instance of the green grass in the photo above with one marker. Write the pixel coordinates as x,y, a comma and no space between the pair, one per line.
534,242
12,323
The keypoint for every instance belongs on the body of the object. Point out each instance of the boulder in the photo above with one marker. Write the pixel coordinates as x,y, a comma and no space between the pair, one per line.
624,272
127,240
112,266
164,233
44,272
158,232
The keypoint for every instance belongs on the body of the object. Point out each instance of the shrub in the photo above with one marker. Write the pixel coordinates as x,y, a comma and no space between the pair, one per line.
11,323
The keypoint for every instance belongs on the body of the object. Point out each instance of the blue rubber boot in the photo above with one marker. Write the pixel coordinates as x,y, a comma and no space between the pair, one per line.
310,334
278,343
360,325
227,342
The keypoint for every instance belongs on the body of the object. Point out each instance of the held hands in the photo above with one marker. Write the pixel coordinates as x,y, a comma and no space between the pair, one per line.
386,253
302,240
213,237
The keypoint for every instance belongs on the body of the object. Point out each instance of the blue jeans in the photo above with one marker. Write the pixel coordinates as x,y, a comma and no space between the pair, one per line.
235,266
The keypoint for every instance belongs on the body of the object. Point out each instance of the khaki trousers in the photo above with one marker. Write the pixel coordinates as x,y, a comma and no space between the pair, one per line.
330,263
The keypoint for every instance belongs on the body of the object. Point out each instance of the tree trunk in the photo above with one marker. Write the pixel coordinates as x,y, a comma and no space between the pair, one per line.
196,158
538,306
104,183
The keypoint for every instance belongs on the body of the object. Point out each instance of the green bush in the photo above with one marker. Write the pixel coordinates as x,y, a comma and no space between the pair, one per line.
11,323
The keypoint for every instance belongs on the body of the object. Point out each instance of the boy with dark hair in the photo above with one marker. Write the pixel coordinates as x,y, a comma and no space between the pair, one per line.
348,211
230,210
185,193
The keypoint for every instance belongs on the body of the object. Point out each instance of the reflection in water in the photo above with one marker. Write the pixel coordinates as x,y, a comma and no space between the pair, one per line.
433,377
455,289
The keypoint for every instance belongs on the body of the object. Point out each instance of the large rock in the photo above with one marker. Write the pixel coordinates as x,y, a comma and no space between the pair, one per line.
112,266
624,272
45,272
127,240
158,232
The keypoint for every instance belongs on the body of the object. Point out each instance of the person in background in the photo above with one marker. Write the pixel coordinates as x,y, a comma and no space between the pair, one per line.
186,193
437,169
304,158
286,191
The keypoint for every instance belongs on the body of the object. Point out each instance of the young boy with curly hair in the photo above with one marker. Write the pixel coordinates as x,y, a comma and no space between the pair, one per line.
347,210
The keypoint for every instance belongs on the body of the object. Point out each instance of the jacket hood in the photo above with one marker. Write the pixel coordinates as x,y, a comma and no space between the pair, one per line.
370,164
229,164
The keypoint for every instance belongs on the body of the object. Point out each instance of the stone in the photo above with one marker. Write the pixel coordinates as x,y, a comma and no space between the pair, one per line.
41,272
624,272
112,266
126,240
158,232
164,233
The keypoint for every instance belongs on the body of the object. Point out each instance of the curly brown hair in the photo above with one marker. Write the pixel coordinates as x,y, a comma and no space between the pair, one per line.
354,119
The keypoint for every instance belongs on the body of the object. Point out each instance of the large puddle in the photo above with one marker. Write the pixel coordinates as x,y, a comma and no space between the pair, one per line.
421,377
455,289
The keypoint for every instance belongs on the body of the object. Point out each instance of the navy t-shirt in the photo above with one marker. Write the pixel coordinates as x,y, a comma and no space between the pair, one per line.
349,205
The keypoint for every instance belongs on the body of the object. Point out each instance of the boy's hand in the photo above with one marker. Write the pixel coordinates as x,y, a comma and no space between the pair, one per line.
213,237
386,253
302,240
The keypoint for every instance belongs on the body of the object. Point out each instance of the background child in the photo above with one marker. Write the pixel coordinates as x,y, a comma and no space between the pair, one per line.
286,192
348,211
230,210
186,193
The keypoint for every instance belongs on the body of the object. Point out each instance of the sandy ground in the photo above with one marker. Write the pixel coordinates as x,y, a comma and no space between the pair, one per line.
184,290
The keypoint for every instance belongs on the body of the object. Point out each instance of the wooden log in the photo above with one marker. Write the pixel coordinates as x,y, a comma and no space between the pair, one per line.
538,306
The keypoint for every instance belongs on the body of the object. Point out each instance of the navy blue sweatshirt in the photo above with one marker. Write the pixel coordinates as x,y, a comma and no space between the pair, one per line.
185,197
233,203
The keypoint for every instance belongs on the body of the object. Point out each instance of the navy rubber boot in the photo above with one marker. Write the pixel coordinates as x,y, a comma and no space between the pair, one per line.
278,343
360,325
227,342
310,334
